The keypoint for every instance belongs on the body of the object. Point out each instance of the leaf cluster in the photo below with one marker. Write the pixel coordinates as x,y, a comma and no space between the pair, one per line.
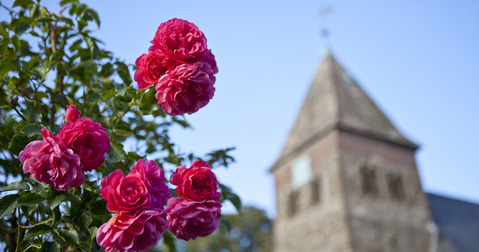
48,60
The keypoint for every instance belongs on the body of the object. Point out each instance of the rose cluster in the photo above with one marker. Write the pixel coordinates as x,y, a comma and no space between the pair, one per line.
138,200
198,209
60,160
180,66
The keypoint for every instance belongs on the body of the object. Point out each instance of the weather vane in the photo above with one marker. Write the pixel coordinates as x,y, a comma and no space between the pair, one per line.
325,12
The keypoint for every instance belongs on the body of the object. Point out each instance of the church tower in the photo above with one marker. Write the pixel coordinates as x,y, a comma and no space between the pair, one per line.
346,179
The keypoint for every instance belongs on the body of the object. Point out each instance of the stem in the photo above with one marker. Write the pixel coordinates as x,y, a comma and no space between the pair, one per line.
18,230
43,222
20,114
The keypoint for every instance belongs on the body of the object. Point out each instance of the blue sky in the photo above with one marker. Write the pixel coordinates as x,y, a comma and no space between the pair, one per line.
418,60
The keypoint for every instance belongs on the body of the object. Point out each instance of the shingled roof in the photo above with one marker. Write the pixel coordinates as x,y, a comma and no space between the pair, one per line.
458,222
336,101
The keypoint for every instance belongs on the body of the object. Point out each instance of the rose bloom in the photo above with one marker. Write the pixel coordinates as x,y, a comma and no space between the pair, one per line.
88,139
132,231
180,40
51,162
154,179
209,58
196,183
72,113
191,219
151,67
125,193
185,89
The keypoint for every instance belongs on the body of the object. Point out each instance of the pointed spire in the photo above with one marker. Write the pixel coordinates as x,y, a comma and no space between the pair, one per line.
336,101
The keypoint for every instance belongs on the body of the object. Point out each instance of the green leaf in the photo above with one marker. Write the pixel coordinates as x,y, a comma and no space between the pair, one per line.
181,122
49,247
93,98
21,28
38,230
65,2
120,90
23,3
117,151
235,199
134,156
108,93
124,73
54,198
18,143
30,199
19,185
16,42
148,102
70,235
8,204
32,130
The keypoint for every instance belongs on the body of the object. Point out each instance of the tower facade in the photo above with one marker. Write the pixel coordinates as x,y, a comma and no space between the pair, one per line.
346,179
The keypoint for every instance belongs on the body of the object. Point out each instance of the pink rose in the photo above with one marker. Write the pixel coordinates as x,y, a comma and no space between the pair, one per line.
196,183
51,162
125,193
180,40
132,231
190,219
72,113
88,139
151,67
154,180
185,89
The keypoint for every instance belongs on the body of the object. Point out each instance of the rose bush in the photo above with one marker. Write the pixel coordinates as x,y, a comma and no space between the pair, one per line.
127,231
51,162
49,60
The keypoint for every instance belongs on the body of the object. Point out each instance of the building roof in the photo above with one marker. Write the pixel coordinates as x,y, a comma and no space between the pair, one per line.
458,222
336,101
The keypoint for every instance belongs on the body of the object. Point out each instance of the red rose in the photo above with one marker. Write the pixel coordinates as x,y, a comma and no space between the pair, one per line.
185,89
154,180
191,219
125,193
209,58
151,67
126,231
196,183
87,139
51,162
180,40
72,113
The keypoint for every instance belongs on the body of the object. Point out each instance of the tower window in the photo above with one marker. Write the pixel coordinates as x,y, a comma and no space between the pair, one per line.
301,172
368,179
292,203
396,188
315,191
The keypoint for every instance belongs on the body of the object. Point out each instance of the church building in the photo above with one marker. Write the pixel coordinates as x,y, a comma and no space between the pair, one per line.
347,181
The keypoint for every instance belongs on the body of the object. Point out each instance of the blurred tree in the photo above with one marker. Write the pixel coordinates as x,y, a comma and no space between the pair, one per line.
249,231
